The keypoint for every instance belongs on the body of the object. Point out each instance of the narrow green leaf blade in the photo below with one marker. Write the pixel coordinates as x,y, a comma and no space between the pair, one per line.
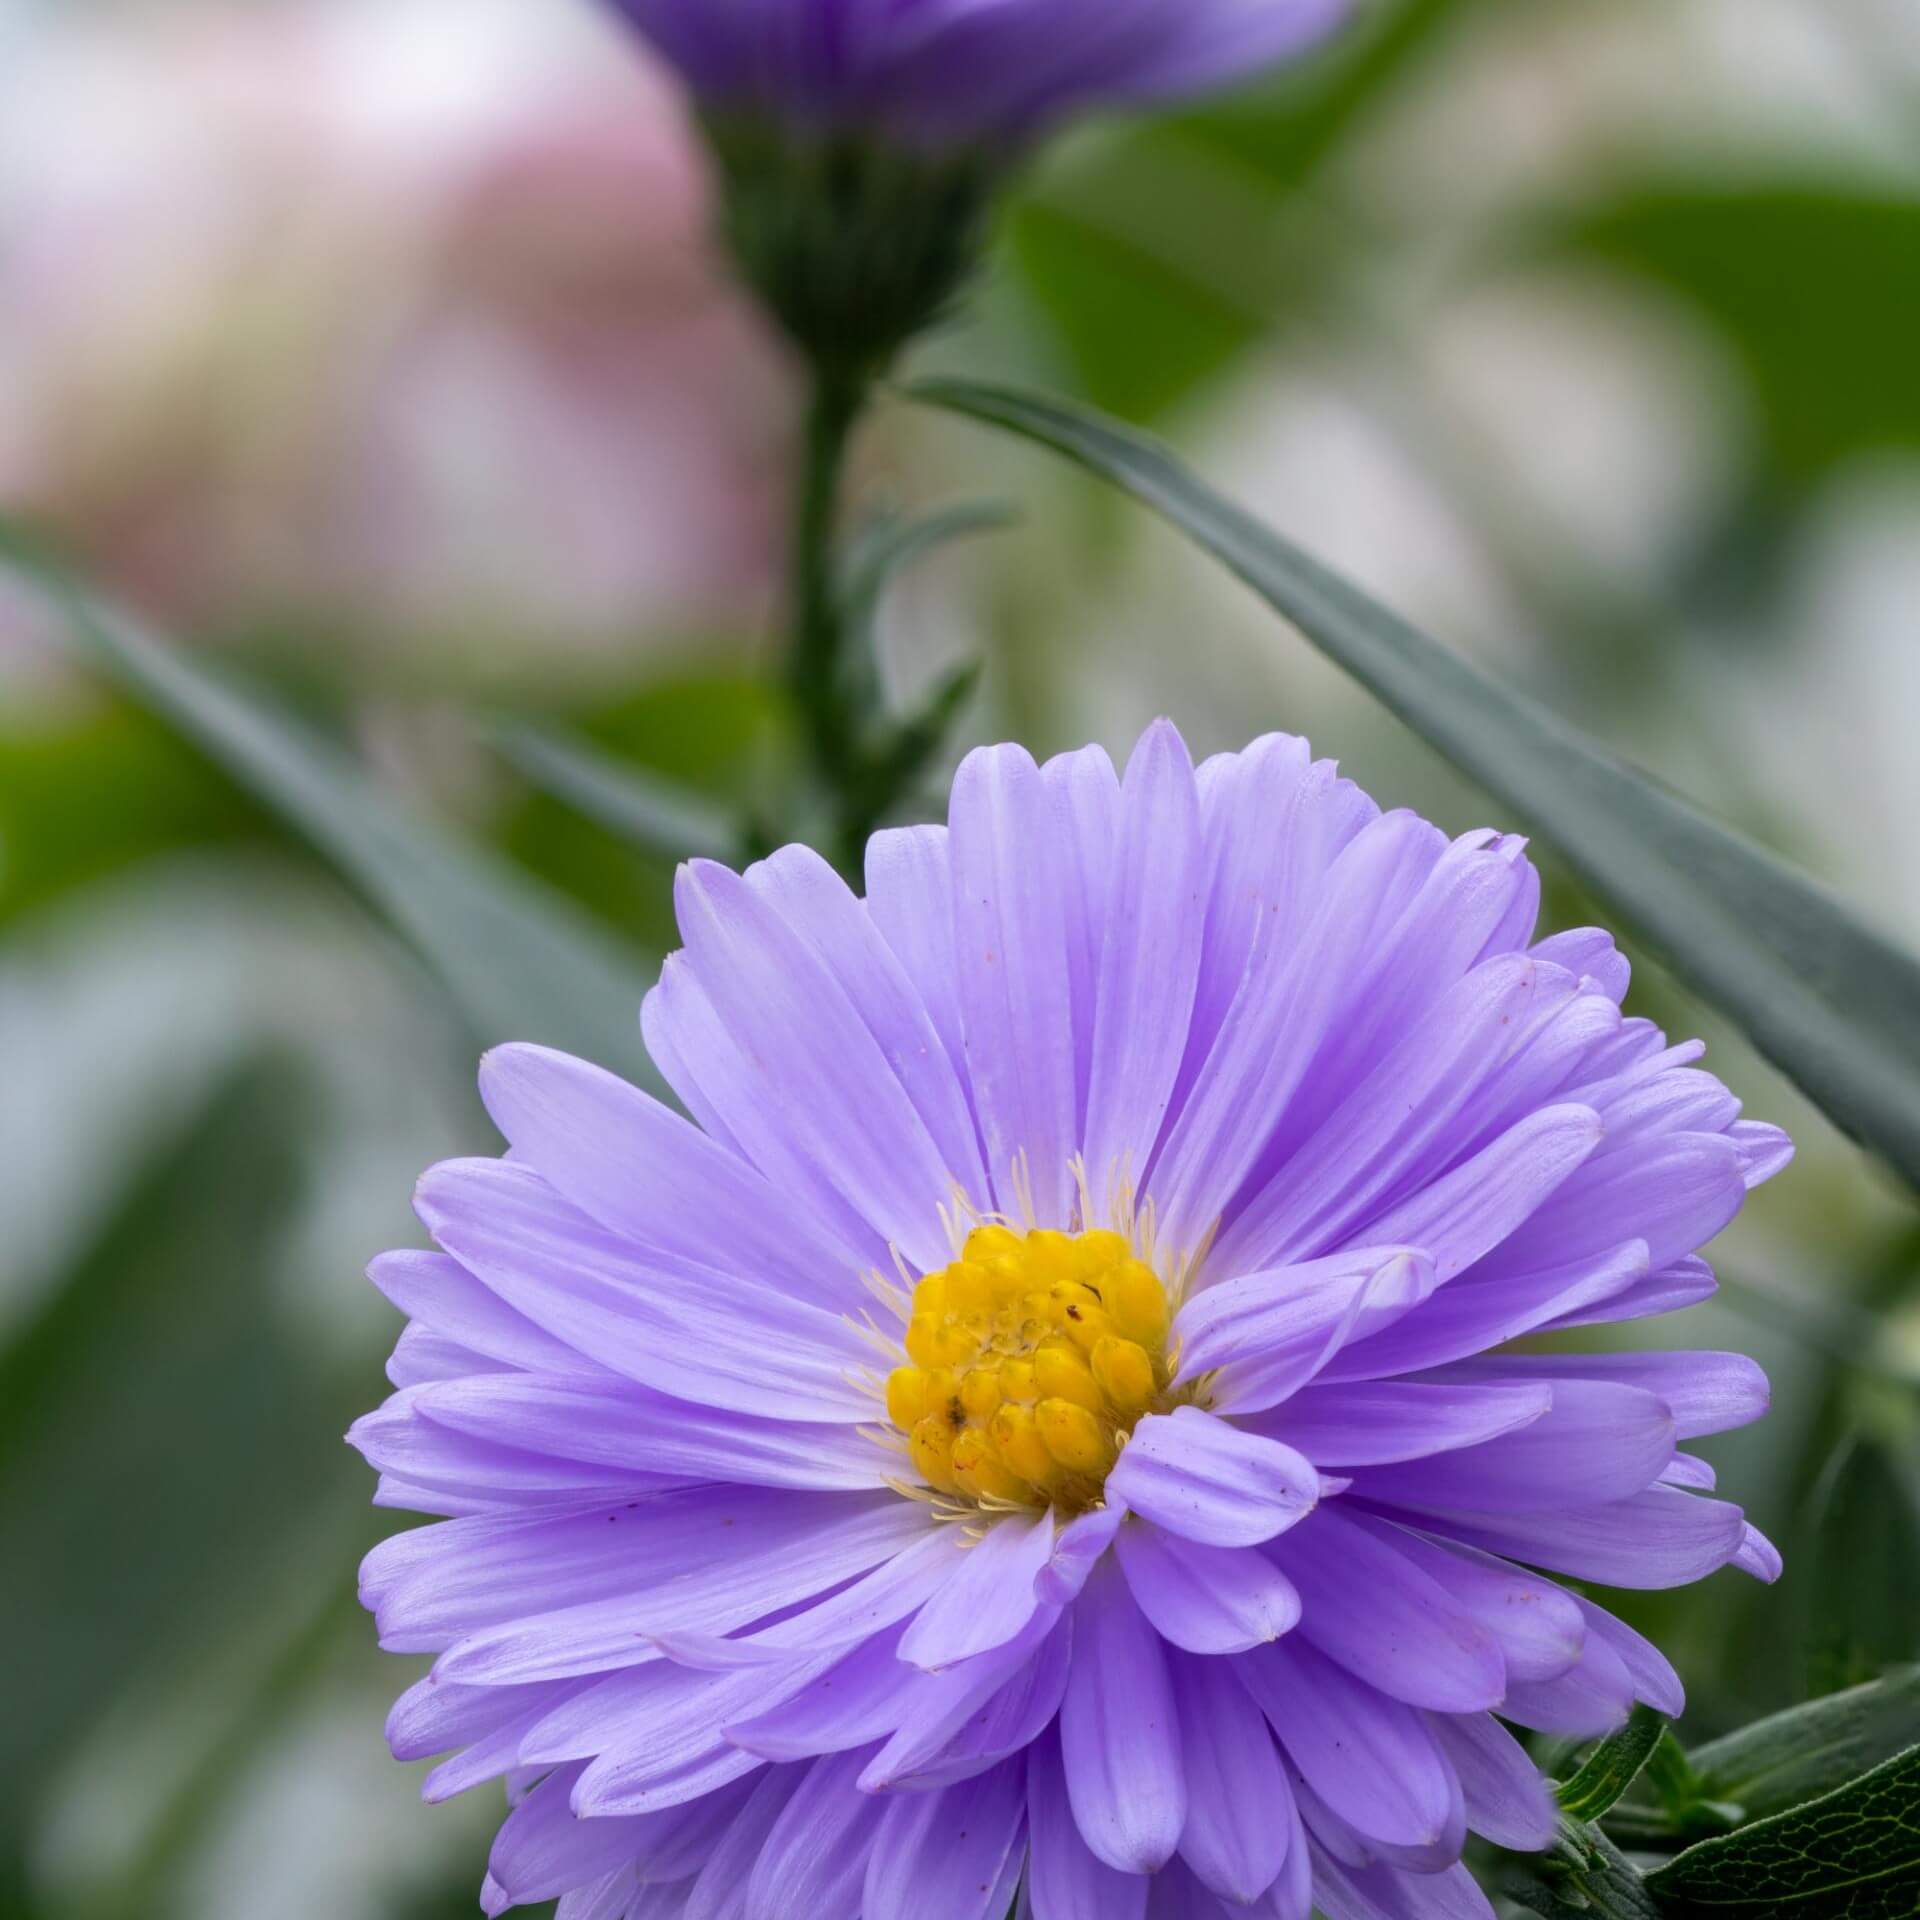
174,1410
891,545
1853,1852
1809,1750
654,813
1829,1000
520,962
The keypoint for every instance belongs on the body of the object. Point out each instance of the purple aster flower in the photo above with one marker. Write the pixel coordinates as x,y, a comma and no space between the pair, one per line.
933,72
860,141
1045,1422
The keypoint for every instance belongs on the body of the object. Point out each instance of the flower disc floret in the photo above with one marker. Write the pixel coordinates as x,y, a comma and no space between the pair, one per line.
1031,1358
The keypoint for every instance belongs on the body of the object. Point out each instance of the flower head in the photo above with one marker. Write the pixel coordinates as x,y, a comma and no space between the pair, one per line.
860,141
937,72
1044,1418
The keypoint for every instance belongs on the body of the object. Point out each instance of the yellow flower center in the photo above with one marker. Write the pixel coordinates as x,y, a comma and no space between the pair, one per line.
1032,1356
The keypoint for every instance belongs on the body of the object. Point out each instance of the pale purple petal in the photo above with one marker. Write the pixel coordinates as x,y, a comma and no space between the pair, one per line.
823,1079
698,1334
1236,1836
1066,1879
1659,1538
818,905
1380,1893
814,1858
940,1856
1371,1759
1077,1548
1278,1021
862,1698
1758,1555
988,1597
1654,1679
1486,1308
1465,1214
1593,1696
629,1427
1085,794
1149,964
1267,1334
1400,1117
1016,1005
1705,1392
1120,1732
1536,1625
1210,1600
910,900
1368,1607
1200,1478
794,1555
720,1890
1372,1423
1597,1442
1507,1800
641,1170
439,1293
963,1708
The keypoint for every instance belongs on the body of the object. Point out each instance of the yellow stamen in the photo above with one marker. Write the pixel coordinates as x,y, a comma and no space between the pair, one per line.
1125,1372
1032,1356
1074,1436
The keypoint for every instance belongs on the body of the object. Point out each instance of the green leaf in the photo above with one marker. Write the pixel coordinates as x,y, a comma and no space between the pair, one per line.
520,962
1830,1001
1809,1750
1859,1545
1814,285
1853,1852
164,1439
654,813
88,796
893,543
1586,1877
882,551
1145,301
1612,1767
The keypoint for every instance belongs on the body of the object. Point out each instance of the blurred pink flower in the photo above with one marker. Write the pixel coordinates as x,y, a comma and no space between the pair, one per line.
387,319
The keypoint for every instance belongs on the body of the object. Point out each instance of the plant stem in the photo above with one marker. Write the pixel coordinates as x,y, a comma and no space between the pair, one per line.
816,662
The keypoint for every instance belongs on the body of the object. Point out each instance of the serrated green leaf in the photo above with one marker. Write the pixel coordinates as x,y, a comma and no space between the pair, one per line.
1829,1000
655,814
1586,1877
520,962
1612,1767
1809,1750
1854,1852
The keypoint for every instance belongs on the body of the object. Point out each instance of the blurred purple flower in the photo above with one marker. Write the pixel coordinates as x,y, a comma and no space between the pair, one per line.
940,71
1041,1417
395,321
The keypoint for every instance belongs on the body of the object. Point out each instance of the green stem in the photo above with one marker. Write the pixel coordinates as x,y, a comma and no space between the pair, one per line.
816,659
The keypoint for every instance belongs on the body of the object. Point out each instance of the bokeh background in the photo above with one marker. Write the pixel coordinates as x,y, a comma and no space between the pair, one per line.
377,349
